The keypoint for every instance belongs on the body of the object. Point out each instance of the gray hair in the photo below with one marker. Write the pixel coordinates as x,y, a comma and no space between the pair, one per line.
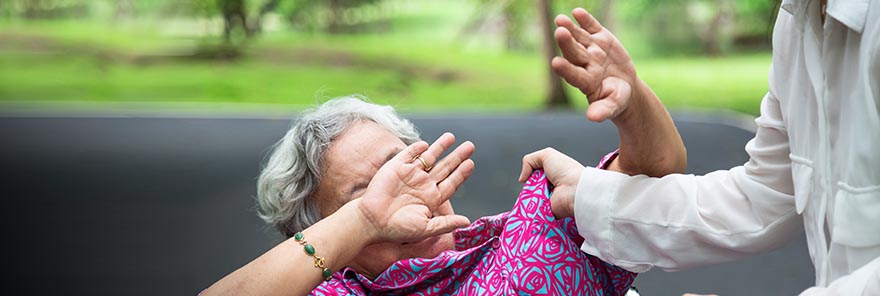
293,172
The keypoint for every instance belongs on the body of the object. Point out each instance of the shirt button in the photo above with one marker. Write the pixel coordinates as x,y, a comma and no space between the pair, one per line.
496,244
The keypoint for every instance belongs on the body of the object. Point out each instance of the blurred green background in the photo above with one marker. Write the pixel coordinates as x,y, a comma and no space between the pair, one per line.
417,54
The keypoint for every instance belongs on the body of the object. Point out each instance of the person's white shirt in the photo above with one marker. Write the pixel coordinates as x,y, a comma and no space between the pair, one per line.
814,166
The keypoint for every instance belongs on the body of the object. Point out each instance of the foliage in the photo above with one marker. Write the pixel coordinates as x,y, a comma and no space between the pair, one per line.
408,53
684,26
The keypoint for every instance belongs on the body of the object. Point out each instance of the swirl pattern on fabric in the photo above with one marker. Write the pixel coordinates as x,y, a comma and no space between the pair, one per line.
522,252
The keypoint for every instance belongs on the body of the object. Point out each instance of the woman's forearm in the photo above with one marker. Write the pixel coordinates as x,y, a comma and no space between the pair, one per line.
287,269
649,142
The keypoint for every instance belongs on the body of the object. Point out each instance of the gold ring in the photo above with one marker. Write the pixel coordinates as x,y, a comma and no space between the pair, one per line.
424,163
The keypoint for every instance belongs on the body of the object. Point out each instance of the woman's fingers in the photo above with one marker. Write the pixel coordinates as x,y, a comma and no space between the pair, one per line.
444,209
574,75
444,224
531,162
449,185
611,101
433,153
573,51
580,35
407,154
586,20
445,166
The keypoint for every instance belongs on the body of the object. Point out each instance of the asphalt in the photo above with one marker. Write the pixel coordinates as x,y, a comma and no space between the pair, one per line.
165,205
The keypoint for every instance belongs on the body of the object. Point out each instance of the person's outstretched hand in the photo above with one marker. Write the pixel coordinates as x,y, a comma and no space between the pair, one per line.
595,62
402,199
562,171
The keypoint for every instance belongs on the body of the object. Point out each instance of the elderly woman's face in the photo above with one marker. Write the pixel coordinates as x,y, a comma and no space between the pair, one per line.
349,164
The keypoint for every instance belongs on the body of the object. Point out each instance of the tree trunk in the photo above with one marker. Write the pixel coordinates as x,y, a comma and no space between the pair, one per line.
713,37
334,25
556,97
234,15
512,27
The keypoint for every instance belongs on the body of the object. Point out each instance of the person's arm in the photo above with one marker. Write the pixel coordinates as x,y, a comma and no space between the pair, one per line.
673,222
287,269
396,207
681,221
595,62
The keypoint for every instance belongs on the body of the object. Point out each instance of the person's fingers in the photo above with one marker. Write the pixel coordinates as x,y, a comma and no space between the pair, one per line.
444,167
534,161
451,184
408,154
433,153
573,51
601,110
574,75
586,20
444,224
444,209
580,35
529,164
611,100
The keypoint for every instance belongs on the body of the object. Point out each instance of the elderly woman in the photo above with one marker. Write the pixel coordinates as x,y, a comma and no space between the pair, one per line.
365,206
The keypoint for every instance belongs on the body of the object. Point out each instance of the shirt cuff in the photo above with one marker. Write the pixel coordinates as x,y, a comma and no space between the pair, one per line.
593,214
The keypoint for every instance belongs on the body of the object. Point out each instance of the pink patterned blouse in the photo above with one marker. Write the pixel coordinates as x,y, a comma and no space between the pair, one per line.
522,252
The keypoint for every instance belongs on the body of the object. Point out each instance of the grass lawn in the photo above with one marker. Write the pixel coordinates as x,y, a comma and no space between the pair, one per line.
422,67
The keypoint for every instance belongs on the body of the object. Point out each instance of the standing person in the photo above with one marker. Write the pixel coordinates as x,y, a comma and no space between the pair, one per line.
814,162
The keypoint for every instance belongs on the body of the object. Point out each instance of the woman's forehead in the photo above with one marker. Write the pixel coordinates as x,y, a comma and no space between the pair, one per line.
363,141
351,161
356,154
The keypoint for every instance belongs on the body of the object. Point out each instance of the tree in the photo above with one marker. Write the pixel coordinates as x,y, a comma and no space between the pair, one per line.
516,14
234,16
337,16
556,96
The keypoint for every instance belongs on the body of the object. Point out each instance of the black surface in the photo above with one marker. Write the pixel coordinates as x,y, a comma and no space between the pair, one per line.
164,206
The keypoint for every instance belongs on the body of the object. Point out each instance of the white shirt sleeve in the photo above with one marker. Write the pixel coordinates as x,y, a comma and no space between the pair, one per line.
681,221
863,281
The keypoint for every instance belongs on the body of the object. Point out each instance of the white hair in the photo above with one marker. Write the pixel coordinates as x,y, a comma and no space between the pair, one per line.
293,172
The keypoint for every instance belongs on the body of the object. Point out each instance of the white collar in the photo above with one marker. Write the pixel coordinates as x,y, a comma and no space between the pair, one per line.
852,13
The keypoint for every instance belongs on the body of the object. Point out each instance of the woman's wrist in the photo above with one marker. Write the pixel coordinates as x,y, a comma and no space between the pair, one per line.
639,103
649,142
363,229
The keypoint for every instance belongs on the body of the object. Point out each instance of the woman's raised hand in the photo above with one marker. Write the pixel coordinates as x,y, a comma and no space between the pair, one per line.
403,197
594,61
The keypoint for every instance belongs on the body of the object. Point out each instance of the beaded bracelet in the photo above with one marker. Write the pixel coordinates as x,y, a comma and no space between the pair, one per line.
319,261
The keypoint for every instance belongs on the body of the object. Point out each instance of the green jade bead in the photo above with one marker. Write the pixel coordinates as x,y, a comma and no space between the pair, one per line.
309,249
326,273
298,236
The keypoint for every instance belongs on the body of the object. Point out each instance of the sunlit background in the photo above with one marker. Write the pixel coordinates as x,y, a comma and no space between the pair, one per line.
270,55
133,131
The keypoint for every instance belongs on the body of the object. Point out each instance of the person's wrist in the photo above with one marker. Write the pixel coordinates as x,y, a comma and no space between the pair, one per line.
629,123
569,205
363,221
637,105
